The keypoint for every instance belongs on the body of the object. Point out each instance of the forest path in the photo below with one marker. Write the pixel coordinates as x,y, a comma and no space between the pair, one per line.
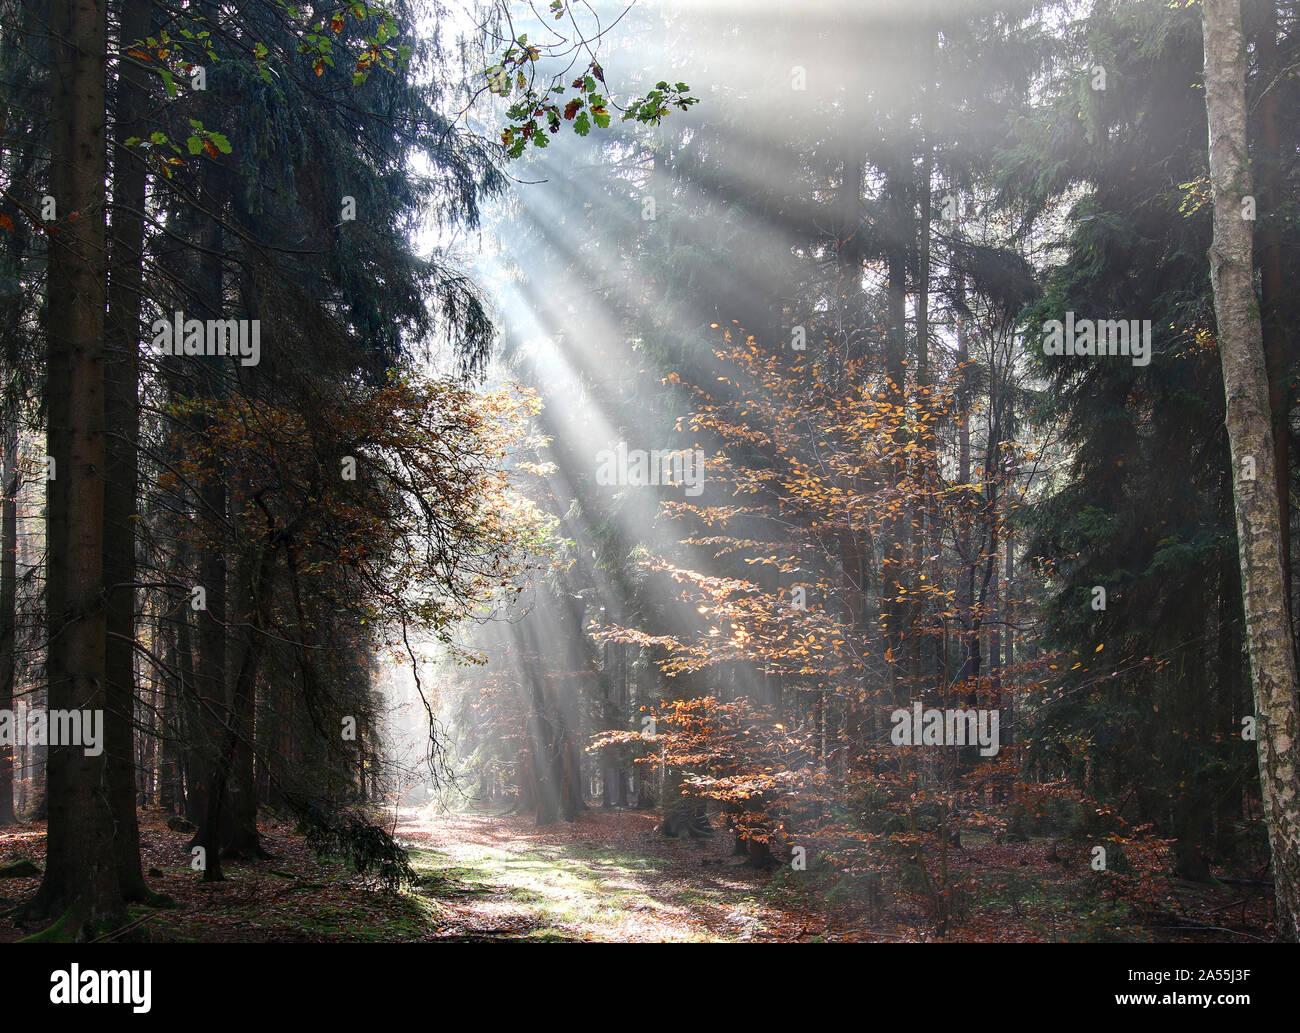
608,876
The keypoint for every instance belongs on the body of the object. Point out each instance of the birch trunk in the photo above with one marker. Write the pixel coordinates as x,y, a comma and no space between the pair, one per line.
1250,434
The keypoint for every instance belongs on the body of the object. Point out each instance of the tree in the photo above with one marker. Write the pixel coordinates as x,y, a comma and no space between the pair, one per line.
121,413
80,885
8,599
1250,434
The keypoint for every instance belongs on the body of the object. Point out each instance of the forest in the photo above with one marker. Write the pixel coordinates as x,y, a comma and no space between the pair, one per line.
730,471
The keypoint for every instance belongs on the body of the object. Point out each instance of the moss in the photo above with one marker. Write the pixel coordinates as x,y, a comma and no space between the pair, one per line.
61,931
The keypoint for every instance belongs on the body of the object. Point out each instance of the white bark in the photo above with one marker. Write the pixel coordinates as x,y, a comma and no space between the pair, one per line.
1250,434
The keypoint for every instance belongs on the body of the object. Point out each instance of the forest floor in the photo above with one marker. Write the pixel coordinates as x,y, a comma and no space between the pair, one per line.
608,876
604,877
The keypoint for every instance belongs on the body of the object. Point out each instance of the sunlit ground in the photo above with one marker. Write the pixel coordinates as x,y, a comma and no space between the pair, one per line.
605,877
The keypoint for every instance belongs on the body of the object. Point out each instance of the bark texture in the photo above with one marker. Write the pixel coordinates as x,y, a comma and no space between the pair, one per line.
1250,434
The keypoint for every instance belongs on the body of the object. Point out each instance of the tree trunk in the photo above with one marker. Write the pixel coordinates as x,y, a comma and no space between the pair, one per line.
190,722
258,593
80,884
1276,298
121,412
895,530
8,605
1250,436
